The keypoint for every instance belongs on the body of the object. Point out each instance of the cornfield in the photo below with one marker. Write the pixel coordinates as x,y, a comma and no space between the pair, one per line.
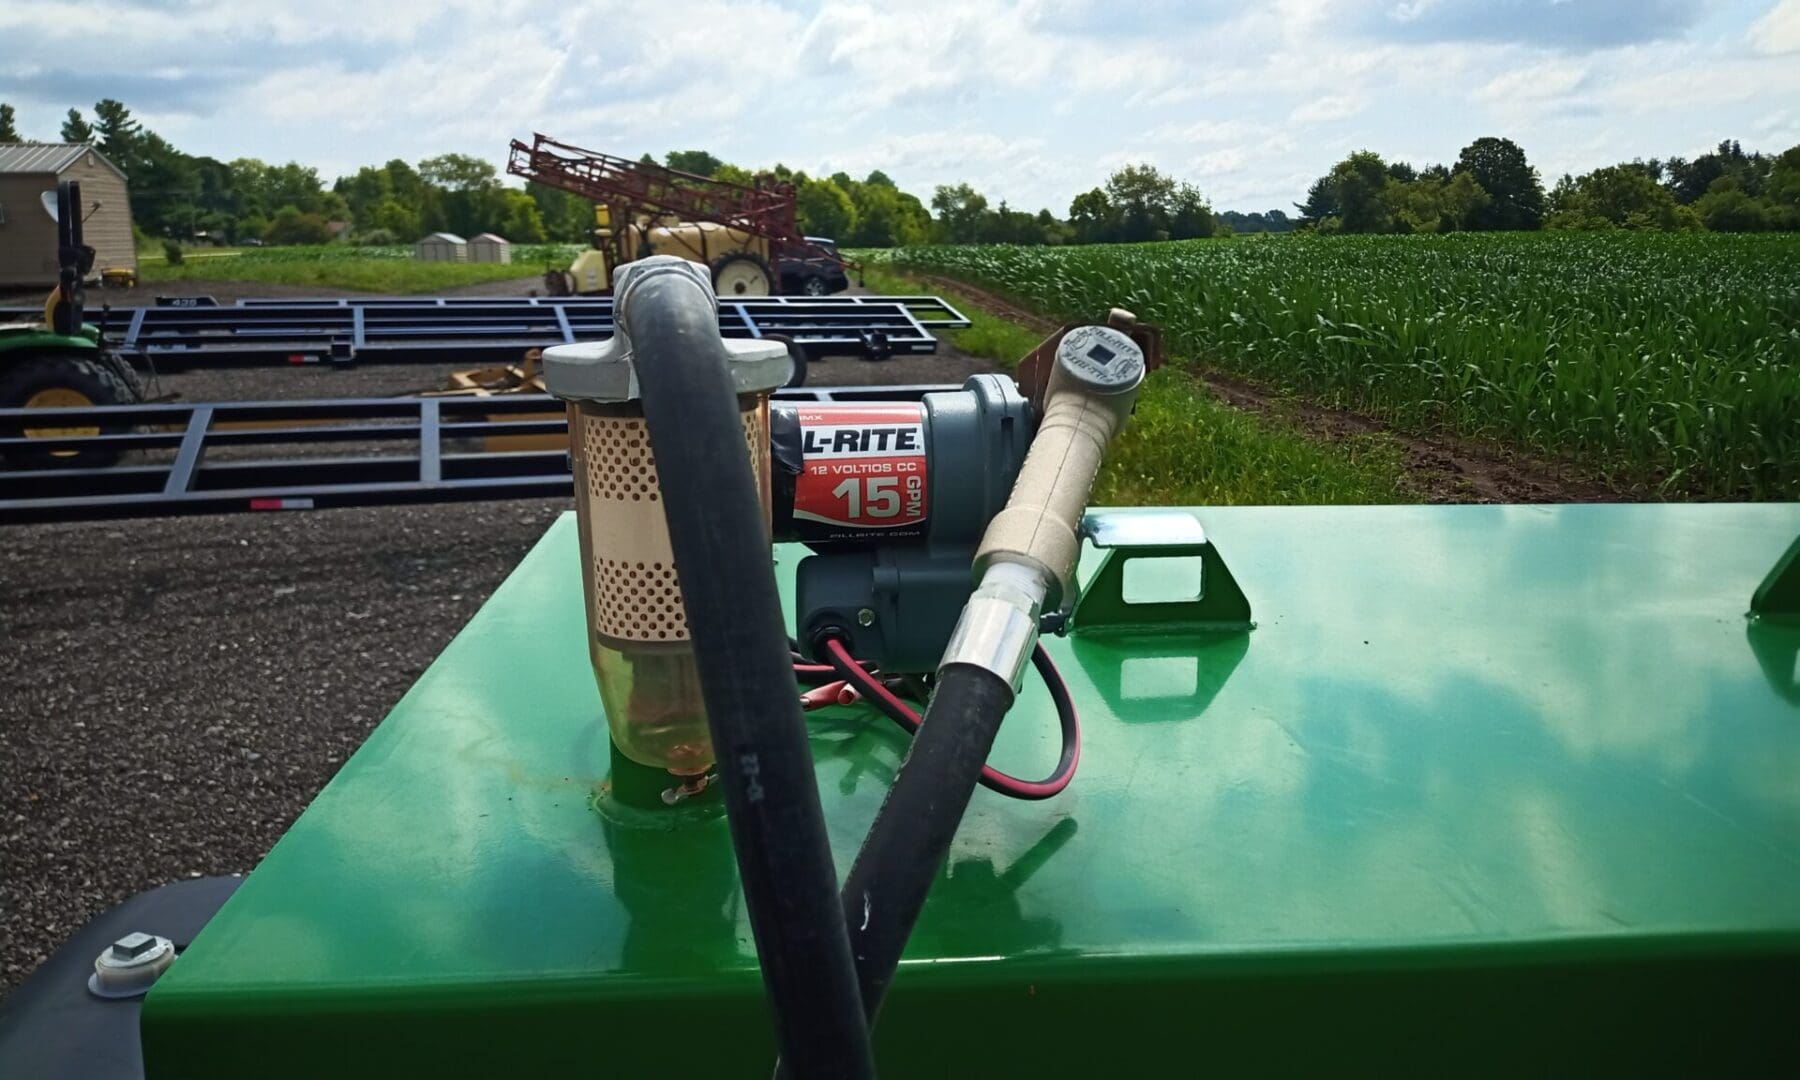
1671,360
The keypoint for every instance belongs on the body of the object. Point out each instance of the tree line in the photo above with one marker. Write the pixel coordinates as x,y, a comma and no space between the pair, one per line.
1492,186
1138,202
189,197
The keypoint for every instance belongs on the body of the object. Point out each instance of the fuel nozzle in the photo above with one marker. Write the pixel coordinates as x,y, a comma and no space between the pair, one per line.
1026,562
638,640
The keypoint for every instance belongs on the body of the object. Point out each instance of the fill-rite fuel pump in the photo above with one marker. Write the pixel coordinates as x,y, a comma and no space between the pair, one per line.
945,533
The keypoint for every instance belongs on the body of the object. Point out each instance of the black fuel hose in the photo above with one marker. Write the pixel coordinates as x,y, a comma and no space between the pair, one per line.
734,616
900,857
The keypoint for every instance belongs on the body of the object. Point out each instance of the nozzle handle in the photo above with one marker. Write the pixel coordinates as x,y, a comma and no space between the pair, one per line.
1090,395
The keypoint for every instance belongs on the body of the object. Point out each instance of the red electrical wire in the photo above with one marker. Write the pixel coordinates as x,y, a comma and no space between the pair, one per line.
853,673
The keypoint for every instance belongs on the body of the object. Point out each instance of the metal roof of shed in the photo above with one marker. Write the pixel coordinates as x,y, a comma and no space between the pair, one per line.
47,158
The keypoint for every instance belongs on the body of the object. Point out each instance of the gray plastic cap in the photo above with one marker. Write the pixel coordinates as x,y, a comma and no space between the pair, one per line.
607,371
1101,359
131,965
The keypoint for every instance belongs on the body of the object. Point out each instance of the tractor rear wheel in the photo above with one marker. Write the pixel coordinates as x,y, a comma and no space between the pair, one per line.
54,381
742,274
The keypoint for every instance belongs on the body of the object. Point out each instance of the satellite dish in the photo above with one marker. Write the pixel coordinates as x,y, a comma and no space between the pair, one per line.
48,198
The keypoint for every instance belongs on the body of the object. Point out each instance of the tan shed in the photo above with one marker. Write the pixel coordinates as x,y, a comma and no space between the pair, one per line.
28,176
442,247
490,248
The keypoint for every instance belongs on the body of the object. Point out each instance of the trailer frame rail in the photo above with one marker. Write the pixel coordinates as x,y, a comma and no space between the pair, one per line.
423,442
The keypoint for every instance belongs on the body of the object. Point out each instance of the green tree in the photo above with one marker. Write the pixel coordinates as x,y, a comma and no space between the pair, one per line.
732,174
1728,208
1092,218
825,209
252,226
567,217
698,162
75,129
1783,189
393,217
1689,181
1358,185
473,200
9,132
960,210
887,216
1516,195
367,188
523,224
1431,204
1191,217
1617,196
165,186
1463,199
1320,204
292,226
1143,201
120,135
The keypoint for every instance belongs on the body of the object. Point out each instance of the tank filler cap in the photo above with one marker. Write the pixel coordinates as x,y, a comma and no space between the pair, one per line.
131,965
606,370
1101,359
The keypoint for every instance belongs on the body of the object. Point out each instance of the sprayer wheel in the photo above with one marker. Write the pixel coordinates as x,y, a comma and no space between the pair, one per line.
742,274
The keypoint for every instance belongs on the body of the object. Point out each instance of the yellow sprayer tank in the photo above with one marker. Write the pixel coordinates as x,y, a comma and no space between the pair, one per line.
737,258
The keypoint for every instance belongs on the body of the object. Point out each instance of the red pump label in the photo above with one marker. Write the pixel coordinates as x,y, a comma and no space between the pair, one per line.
863,468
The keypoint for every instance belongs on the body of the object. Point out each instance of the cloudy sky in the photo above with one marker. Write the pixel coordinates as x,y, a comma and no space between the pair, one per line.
1032,101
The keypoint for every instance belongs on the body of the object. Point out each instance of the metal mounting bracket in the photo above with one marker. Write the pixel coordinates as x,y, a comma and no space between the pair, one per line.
1778,597
1200,593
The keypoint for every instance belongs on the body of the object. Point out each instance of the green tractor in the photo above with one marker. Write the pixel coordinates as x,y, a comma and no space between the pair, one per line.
63,362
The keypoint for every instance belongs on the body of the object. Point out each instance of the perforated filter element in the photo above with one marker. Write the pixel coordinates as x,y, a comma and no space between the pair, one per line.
633,589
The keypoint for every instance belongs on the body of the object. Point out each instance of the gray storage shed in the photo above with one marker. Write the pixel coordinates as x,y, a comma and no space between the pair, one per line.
490,248
28,176
442,247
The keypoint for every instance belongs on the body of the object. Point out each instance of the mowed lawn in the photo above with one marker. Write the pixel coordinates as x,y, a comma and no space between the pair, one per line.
370,269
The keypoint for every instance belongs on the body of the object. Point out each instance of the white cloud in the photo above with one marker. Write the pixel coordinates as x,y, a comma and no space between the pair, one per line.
1031,101
1325,110
1778,31
1221,162
1550,80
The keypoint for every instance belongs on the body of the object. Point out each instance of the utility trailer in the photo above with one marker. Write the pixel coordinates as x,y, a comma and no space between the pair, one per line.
435,330
257,456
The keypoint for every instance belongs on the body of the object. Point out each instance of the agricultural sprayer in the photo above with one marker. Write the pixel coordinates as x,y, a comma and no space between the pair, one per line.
719,775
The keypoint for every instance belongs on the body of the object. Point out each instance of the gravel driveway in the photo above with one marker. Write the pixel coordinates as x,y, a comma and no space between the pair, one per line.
173,693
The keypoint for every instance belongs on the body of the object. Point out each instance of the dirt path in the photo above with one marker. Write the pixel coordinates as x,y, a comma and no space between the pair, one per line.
1444,469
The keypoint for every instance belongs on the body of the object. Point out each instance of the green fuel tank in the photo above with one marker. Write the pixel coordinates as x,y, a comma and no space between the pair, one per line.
1486,789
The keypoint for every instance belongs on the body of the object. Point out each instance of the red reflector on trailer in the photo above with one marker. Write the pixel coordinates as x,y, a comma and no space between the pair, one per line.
281,504
299,358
